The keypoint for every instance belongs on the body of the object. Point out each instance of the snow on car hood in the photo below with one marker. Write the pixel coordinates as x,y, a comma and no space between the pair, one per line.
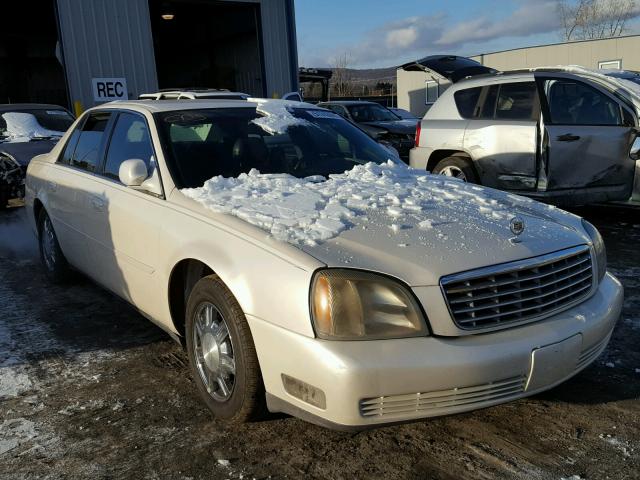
23,127
392,219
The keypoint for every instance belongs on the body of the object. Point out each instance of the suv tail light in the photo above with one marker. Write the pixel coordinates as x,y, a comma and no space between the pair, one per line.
418,132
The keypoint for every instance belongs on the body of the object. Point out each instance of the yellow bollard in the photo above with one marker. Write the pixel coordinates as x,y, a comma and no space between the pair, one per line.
78,108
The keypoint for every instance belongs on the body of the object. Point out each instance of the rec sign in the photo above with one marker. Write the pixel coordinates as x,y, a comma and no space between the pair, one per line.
108,89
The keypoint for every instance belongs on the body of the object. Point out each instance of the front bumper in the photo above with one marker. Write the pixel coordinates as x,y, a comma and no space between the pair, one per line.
369,383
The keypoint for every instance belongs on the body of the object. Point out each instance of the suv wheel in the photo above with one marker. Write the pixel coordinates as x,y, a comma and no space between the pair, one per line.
222,356
53,260
458,167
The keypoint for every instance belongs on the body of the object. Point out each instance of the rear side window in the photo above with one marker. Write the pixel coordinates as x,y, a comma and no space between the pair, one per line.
467,100
517,101
86,155
130,140
69,148
574,103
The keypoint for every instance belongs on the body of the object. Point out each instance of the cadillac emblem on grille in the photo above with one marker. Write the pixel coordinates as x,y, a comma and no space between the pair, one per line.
516,225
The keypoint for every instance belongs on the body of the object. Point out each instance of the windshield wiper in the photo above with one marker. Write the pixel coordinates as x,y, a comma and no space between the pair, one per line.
48,137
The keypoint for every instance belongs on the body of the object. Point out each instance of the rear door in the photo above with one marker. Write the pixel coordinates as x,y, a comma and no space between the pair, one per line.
502,134
67,183
588,134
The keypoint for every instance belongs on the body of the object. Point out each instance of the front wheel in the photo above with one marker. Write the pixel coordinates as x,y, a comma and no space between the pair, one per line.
53,260
457,167
222,356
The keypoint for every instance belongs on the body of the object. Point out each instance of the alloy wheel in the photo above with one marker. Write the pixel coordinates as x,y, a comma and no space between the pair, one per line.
453,171
214,353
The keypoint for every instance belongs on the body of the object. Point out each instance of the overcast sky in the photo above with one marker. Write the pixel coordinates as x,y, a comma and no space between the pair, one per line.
382,33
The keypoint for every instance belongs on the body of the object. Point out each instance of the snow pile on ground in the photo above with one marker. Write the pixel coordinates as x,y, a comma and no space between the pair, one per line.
307,211
277,117
22,127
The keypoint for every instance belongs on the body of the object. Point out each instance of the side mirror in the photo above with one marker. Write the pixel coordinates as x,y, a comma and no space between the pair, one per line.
635,149
133,173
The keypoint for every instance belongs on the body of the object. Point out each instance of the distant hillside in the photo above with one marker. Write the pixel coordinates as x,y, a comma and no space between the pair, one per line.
373,75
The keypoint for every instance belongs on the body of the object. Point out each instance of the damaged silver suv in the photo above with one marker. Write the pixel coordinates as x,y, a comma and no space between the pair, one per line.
567,136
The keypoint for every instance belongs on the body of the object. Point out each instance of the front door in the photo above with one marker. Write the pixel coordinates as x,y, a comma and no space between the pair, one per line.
588,135
124,226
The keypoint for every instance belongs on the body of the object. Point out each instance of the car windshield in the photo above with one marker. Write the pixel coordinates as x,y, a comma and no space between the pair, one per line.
371,113
303,142
55,120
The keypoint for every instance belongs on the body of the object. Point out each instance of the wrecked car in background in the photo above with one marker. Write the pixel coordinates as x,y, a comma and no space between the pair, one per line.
380,122
310,272
567,136
26,130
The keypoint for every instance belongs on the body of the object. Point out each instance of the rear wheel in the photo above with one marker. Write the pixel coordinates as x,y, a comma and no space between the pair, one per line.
457,167
53,260
222,355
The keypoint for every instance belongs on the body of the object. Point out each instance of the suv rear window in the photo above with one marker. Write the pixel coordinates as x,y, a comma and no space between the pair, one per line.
467,100
517,101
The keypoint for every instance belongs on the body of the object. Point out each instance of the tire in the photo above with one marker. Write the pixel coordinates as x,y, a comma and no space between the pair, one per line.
209,350
53,260
458,167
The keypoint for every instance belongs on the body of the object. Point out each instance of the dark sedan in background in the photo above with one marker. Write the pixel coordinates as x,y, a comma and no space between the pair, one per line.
379,122
26,130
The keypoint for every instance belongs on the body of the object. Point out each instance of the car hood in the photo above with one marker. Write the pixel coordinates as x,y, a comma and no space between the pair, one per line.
399,126
387,218
23,152
421,247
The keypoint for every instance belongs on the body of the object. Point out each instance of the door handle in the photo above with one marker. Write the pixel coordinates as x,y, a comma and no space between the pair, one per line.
52,186
568,137
97,203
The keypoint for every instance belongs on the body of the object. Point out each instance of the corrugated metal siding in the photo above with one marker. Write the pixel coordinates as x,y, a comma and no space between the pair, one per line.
106,39
113,39
587,53
280,55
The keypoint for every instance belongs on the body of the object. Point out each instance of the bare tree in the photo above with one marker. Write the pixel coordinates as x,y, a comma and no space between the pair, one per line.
592,19
342,80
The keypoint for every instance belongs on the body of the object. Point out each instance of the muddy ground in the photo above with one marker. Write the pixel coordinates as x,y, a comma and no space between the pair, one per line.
88,388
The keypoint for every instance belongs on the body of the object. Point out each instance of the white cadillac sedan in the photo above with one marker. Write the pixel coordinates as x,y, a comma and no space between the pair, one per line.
308,271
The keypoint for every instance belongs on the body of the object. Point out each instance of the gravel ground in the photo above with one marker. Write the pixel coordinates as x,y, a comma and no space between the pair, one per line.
88,388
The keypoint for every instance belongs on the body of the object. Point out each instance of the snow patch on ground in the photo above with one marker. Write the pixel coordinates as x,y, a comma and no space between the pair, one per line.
305,211
15,432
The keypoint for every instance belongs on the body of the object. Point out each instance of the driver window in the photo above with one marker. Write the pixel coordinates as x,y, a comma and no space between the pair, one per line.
130,140
574,103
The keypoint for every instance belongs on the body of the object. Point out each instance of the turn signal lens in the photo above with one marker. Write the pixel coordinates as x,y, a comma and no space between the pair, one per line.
599,248
355,305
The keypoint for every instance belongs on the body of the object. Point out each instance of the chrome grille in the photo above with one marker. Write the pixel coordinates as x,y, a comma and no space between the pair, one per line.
521,291
435,402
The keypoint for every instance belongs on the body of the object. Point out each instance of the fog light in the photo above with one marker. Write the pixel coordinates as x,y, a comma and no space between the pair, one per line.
305,392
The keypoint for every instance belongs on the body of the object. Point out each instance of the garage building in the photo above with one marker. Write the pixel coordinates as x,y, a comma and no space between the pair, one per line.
79,53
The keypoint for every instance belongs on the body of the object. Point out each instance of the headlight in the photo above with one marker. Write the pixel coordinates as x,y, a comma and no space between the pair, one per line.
598,248
355,305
